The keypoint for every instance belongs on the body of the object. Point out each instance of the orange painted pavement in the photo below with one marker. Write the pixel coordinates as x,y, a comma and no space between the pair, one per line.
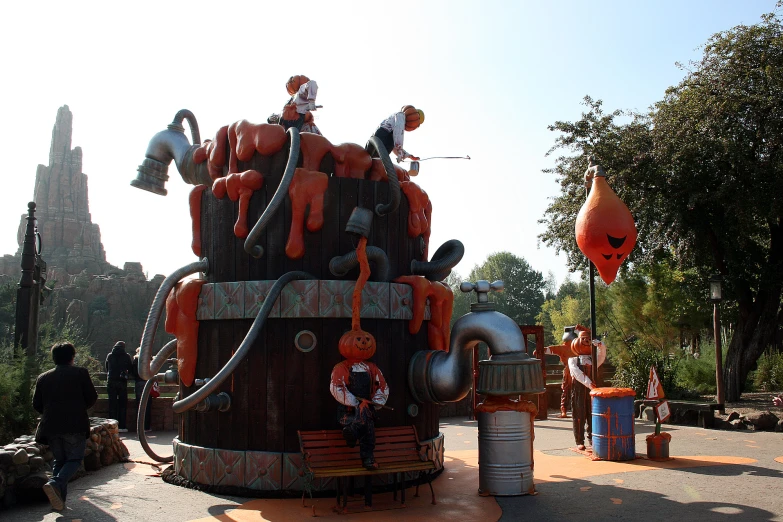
549,468
779,459
456,491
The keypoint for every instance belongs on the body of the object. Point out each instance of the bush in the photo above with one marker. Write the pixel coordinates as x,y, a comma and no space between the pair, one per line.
769,372
18,374
698,375
633,370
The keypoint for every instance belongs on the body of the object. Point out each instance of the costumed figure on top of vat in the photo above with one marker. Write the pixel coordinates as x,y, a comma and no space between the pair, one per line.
303,92
391,130
356,383
581,366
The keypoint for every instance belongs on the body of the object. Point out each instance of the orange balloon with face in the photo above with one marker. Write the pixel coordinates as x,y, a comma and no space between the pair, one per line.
357,345
605,230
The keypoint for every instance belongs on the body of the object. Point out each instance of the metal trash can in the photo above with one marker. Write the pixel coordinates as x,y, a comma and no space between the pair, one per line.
613,423
505,452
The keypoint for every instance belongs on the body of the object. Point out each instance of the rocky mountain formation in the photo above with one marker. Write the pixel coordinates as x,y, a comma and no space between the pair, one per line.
106,302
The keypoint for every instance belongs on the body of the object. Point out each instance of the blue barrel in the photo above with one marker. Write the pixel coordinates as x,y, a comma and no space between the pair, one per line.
613,423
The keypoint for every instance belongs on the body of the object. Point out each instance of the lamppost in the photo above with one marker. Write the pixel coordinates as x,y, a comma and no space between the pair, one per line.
716,297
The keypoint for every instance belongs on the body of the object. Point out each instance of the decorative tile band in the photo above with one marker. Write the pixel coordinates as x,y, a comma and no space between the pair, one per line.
263,470
313,298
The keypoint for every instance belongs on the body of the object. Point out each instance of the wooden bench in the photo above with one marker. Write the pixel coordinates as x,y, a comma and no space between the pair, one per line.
705,410
397,451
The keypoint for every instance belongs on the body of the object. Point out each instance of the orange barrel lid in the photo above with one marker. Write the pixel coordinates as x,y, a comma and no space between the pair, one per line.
612,392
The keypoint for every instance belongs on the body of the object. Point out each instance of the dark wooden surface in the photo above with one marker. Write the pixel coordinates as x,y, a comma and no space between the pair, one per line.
278,390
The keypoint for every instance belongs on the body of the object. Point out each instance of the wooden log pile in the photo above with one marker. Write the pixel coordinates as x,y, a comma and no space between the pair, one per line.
25,465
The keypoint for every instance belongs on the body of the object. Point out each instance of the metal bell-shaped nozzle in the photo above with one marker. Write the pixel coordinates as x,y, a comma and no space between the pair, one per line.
360,222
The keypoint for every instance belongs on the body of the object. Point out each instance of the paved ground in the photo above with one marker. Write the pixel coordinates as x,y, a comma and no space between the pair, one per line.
715,475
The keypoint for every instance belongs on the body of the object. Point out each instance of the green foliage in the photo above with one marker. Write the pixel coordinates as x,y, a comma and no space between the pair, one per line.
18,374
569,306
769,372
697,375
633,369
523,292
461,300
701,174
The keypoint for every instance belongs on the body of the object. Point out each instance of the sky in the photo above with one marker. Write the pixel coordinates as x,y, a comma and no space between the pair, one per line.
490,77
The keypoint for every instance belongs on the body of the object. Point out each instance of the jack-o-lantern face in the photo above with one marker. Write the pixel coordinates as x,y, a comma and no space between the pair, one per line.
357,345
582,345
605,230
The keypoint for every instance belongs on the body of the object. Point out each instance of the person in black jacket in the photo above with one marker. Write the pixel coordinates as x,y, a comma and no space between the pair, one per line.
63,395
118,368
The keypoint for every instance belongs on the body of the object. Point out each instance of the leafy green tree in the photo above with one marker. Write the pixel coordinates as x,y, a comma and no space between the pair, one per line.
523,292
702,173
461,300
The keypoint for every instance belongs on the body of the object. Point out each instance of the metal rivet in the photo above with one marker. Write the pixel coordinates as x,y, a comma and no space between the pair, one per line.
201,465
338,299
406,301
228,299
228,470
261,472
413,410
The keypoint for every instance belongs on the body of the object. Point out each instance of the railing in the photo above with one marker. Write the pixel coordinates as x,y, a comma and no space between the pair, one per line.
166,390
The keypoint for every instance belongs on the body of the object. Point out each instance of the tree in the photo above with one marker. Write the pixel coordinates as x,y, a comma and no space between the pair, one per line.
702,173
523,292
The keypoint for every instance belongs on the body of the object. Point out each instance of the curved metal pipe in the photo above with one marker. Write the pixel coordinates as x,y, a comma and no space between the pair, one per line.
147,370
341,265
145,397
440,377
172,144
448,255
383,209
244,347
251,243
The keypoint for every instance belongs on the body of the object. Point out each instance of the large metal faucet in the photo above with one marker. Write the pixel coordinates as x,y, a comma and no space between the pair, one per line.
167,145
440,377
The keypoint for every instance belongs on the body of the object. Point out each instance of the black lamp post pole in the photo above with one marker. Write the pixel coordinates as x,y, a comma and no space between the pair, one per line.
720,397
27,295
591,276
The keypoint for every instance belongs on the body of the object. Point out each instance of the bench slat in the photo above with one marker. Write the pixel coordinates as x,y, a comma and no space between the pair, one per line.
320,460
336,443
343,449
307,436
359,470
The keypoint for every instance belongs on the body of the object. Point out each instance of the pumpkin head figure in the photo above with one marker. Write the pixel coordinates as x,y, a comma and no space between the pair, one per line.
605,230
357,345
582,345
413,117
294,82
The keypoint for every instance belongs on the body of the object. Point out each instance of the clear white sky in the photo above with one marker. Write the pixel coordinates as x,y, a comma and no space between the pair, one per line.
489,75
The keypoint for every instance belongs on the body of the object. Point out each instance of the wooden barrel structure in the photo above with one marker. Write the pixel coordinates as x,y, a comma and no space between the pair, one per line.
280,388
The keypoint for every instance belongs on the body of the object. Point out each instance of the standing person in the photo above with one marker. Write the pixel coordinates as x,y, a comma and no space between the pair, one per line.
118,368
391,130
139,389
63,395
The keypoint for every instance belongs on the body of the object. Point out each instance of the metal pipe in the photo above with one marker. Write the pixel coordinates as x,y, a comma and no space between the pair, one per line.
210,387
145,397
448,255
165,146
251,243
146,371
214,402
383,209
440,377
341,265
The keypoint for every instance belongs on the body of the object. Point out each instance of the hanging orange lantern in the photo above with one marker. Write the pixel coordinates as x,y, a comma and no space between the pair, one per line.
605,230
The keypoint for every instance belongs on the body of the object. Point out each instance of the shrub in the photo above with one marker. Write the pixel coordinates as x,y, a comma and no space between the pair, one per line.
633,369
769,372
698,375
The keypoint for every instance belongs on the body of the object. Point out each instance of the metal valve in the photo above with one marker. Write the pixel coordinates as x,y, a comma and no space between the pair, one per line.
482,288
